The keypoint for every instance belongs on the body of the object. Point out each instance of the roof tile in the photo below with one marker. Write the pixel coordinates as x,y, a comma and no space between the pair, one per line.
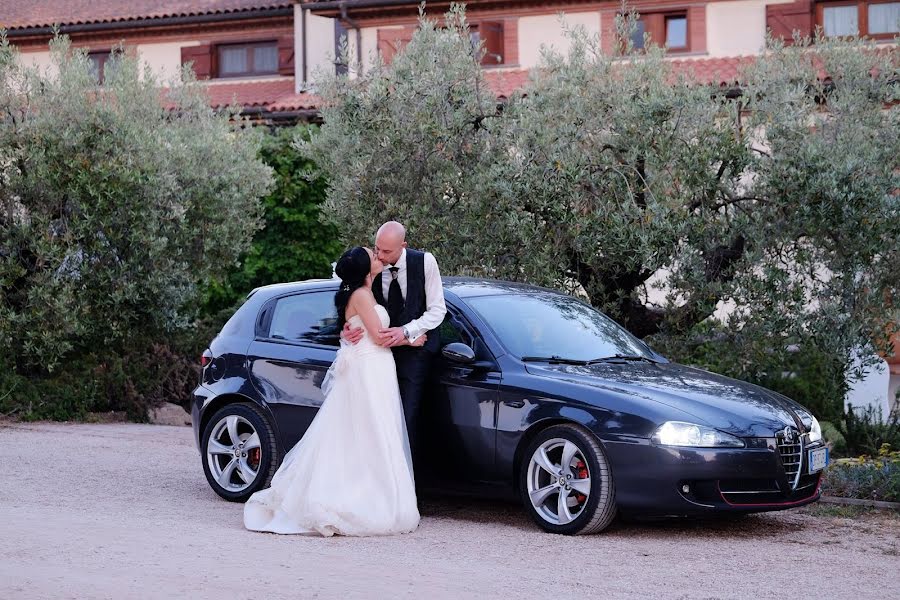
278,95
19,14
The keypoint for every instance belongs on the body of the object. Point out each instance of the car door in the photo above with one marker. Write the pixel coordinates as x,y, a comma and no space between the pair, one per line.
296,342
460,412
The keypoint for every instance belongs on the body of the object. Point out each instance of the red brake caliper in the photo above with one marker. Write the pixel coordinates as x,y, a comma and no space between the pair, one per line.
581,472
254,457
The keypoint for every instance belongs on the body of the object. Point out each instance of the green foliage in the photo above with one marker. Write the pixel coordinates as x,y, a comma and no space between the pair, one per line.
806,373
867,431
875,477
657,196
101,382
118,204
294,243
834,438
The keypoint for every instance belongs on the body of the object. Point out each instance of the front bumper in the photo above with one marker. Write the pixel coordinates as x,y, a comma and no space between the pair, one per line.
660,480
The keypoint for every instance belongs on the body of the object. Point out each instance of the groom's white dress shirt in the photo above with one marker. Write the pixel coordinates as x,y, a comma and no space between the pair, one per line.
435,307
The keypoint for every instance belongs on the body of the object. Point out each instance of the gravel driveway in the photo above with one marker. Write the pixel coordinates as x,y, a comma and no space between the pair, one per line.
123,511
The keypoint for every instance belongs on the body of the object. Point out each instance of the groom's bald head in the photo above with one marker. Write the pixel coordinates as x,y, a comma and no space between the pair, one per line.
390,242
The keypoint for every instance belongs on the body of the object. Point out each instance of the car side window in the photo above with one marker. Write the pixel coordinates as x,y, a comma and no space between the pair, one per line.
309,317
451,331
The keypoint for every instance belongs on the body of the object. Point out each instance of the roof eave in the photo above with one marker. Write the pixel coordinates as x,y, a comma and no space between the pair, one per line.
148,22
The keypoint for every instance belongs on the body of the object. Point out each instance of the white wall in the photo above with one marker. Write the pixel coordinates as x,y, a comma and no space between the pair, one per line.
893,390
319,46
369,44
41,60
547,30
737,28
872,390
164,59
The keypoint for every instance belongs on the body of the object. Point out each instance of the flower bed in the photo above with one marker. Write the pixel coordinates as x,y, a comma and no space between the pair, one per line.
865,477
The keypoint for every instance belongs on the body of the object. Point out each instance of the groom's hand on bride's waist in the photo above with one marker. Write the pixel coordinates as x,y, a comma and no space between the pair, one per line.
392,336
352,334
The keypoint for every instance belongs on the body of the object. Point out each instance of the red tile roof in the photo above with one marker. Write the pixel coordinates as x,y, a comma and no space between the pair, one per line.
277,95
716,71
270,95
249,93
504,83
17,14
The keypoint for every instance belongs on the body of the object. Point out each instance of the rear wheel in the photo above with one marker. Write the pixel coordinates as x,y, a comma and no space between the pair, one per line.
567,486
239,451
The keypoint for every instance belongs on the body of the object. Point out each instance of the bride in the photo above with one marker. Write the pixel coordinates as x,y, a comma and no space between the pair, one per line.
351,473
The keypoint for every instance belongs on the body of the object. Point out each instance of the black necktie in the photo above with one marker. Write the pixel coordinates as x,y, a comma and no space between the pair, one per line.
395,298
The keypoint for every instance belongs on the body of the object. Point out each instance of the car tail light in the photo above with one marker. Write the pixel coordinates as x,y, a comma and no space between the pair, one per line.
205,358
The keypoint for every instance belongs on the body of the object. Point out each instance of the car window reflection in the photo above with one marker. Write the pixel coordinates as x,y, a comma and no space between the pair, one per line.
550,324
306,318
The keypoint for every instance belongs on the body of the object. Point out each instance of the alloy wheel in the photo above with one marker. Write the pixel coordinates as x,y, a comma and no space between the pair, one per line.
558,481
233,453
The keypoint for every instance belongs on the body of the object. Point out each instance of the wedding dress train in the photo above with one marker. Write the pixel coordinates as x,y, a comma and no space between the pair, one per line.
351,473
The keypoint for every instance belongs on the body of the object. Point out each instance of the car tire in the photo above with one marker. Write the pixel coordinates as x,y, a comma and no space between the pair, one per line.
586,507
237,469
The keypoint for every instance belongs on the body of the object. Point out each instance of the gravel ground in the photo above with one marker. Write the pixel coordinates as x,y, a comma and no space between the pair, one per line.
123,511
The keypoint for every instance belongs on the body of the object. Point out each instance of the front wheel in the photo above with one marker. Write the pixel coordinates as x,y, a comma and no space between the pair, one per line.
567,485
239,451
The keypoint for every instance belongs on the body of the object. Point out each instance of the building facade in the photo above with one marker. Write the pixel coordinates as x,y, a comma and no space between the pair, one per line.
242,49
267,54
710,37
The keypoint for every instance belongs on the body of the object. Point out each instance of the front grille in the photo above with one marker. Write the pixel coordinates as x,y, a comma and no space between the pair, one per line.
790,449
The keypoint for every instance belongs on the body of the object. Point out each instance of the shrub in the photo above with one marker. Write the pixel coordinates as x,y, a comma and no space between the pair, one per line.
867,432
868,478
118,205
294,242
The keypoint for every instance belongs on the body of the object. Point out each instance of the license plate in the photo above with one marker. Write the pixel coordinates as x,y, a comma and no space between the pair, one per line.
818,459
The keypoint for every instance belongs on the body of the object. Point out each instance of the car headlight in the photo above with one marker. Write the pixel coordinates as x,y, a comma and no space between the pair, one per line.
678,433
815,431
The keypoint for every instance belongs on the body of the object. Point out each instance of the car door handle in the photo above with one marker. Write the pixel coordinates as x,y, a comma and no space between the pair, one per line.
514,403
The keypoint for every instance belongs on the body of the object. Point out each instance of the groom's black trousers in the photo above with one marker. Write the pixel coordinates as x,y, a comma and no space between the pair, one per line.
413,365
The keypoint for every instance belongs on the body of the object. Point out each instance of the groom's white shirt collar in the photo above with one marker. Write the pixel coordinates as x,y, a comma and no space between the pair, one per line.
401,262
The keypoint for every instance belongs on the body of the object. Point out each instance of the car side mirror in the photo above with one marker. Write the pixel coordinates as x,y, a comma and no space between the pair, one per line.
459,353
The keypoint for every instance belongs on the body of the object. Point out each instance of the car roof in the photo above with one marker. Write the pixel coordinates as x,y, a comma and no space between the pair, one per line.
463,287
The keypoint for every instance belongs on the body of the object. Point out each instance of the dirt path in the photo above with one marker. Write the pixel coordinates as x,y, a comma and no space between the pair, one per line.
123,511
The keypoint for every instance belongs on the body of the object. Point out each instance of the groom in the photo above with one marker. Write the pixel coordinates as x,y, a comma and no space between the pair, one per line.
410,289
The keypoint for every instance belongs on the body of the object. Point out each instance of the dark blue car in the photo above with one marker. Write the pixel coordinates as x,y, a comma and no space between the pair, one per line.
534,395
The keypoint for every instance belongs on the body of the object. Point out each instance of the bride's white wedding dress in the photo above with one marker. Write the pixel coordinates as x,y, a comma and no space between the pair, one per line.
351,473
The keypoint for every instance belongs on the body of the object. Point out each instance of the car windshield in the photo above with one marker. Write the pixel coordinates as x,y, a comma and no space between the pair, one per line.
556,326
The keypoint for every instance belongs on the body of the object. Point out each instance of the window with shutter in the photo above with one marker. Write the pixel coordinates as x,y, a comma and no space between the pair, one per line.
392,41
247,60
784,19
201,59
98,62
669,28
286,55
879,19
490,34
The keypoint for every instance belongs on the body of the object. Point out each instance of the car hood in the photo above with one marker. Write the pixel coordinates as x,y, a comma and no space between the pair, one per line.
727,404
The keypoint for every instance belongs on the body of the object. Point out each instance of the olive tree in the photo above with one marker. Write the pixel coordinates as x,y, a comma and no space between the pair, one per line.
118,203
658,196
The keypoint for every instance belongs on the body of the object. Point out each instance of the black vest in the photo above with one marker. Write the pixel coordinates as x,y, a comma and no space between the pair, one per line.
414,304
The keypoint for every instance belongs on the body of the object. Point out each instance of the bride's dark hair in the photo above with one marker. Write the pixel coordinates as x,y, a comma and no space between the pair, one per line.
352,267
